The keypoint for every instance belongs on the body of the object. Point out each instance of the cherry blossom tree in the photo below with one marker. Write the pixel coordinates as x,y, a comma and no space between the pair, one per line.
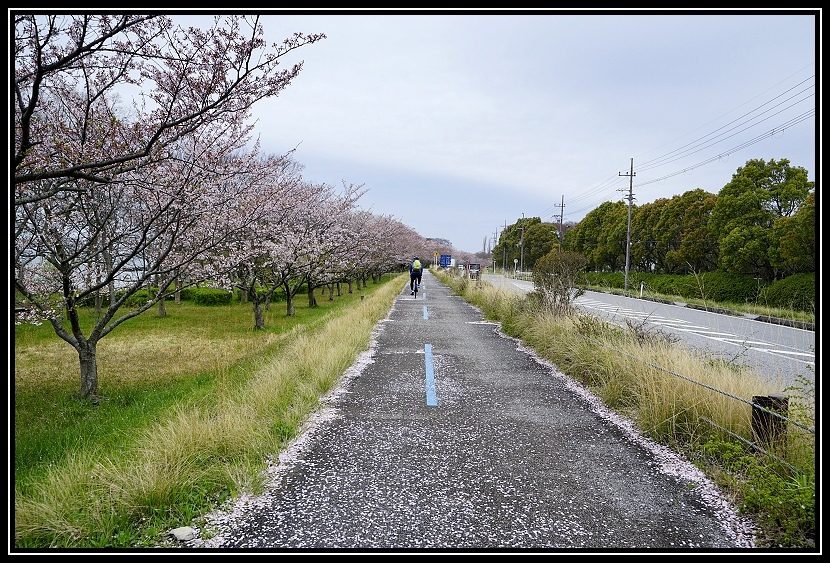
361,240
350,230
311,239
70,131
157,223
364,245
389,246
119,195
249,264
331,264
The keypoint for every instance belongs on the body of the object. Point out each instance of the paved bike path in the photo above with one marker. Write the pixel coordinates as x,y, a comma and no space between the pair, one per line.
507,455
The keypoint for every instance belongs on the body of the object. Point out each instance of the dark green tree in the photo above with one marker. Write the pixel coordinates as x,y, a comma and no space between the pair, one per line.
525,241
747,209
507,249
601,236
684,235
540,238
648,249
796,240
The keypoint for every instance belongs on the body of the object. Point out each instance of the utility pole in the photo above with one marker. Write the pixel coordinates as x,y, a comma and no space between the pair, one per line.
628,237
504,251
522,244
495,242
561,213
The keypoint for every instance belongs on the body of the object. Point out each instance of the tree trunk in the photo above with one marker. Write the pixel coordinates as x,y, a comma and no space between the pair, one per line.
259,319
289,300
331,292
89,370
312,301
162,312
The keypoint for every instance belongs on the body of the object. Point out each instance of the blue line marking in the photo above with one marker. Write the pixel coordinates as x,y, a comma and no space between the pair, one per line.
432,400
425,312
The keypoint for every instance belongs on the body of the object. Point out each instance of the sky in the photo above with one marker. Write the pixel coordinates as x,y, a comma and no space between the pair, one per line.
461,123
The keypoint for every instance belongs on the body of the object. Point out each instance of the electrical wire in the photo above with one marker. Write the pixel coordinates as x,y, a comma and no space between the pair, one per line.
745,122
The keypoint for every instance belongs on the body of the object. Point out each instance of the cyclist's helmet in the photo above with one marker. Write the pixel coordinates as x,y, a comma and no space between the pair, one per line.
415,258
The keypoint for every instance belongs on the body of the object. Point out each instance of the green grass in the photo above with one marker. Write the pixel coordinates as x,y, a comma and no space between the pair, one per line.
145,366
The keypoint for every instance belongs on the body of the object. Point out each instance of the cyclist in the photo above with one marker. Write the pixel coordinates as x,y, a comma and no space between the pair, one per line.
415,273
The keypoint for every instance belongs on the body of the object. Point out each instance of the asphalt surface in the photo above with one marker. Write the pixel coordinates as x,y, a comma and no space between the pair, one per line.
448,436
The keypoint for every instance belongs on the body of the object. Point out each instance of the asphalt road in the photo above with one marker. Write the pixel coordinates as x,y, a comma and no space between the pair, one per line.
780,353
448,436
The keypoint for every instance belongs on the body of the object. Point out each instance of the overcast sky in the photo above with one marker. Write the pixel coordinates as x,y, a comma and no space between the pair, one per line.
458,124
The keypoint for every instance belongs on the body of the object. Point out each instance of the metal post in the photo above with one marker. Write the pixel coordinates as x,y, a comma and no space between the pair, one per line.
770,430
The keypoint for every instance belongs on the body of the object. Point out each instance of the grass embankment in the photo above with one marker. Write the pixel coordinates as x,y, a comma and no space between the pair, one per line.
679,399
194,404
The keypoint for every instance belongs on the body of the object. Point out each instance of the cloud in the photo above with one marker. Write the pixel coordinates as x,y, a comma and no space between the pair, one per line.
501,115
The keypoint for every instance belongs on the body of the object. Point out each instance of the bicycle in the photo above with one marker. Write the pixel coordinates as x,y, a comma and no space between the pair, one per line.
415,286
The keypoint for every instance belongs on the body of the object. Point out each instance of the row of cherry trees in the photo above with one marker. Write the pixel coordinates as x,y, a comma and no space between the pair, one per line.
167,188
308,235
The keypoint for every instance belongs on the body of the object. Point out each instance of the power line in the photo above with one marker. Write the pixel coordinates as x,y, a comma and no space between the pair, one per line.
719,156
657,161
713,138
775,129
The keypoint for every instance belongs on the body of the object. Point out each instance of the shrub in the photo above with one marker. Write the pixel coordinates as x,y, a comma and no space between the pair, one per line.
610,280
186,293
723,287
666,284
794,292
207,296
555,278
139,298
